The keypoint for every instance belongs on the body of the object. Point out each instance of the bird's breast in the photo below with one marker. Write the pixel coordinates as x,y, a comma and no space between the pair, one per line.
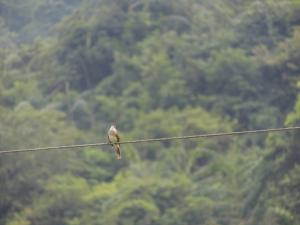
112,137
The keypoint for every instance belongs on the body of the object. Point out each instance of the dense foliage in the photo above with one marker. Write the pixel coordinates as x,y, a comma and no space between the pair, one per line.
158,68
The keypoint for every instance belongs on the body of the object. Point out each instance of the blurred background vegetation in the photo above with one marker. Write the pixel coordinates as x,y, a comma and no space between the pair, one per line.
156,68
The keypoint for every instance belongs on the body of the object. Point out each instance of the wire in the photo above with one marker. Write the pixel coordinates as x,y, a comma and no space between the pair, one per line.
65,147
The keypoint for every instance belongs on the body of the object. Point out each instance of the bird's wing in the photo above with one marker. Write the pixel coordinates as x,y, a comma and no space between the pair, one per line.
118,137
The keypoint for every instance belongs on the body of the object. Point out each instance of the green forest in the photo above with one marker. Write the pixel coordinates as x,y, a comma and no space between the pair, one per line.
155,68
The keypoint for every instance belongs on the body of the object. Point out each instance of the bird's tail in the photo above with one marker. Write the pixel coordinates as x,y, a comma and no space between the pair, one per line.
117,151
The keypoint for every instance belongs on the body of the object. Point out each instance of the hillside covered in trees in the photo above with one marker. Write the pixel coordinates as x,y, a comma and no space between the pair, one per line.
155,68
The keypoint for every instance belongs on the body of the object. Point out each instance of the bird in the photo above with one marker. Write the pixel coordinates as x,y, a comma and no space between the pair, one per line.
113,137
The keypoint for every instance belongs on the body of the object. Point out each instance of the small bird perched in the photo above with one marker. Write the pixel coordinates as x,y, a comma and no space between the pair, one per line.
113,137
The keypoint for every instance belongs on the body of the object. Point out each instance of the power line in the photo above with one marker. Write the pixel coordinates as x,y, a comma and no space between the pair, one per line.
65,147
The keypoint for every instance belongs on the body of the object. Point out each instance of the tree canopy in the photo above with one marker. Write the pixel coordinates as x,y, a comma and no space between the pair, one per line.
155,68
